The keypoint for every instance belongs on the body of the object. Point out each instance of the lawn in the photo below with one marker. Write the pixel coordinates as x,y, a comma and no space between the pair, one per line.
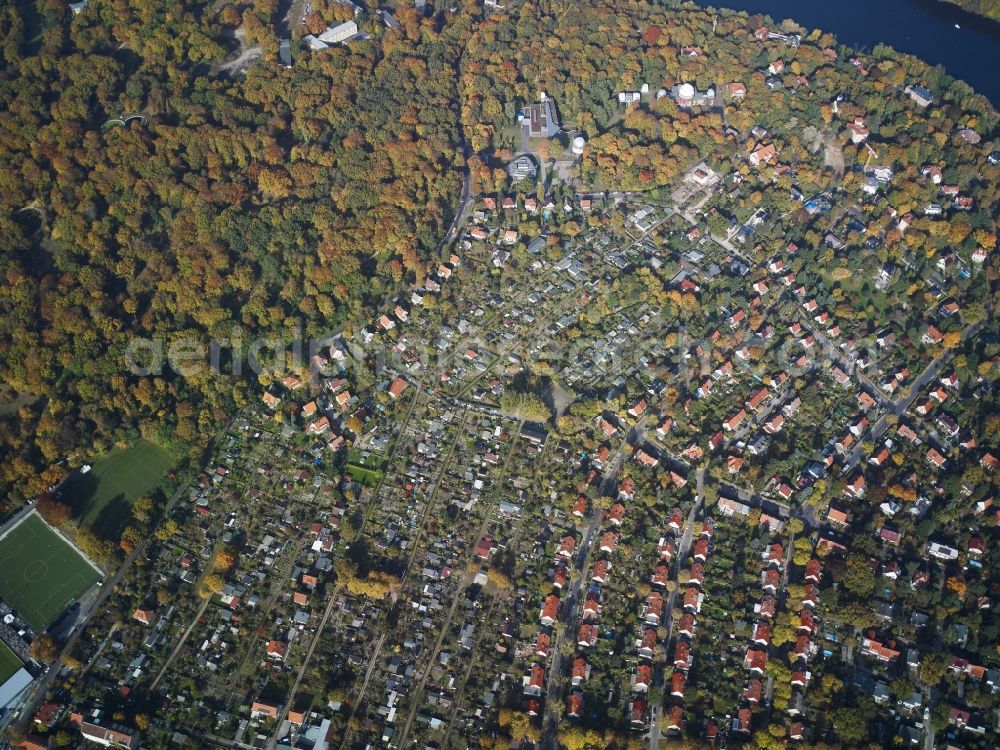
365,459
9,663
102,497
363,474
40,573
364,467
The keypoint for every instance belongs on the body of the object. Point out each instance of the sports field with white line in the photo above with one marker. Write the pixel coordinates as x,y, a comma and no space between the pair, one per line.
41,573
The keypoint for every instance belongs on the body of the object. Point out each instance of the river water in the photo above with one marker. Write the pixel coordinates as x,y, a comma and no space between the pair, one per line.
924,28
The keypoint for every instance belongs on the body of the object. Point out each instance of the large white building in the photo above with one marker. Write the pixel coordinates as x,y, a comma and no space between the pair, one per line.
13,690
687,96
339,33
332,35
108,736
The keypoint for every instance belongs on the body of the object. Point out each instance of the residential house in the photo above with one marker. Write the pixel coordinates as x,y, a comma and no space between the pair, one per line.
117,736
763,155
642,679
734,421
534,682
919,94
932,336
581,671
574,704
566,546
277,650
677,680
550,610
587,634
682,654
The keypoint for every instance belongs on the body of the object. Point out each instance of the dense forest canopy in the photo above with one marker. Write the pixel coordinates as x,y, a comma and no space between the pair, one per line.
263,201
303,196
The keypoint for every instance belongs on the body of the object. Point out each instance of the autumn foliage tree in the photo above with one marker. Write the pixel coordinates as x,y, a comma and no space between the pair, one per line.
224,559
246,200
43,648
55,512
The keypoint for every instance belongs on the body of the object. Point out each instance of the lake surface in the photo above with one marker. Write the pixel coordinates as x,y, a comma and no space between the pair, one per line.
924,28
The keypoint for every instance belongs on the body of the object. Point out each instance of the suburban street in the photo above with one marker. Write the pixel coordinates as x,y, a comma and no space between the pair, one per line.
901,405
568,606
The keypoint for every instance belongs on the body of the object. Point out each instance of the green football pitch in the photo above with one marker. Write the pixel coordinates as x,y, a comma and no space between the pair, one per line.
114,482
40,573
9,663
